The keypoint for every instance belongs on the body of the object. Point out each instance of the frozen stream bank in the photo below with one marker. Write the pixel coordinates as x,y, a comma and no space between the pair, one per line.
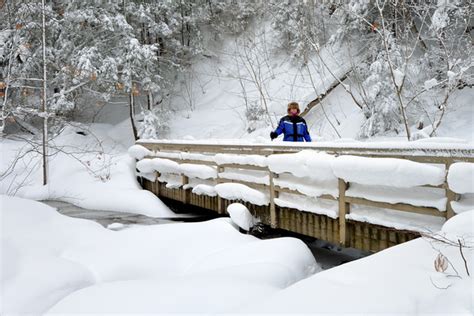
326,255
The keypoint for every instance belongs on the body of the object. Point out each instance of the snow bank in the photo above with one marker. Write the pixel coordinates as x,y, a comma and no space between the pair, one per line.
461,177
253,160
169,166
149,176
418,196
158,164
386,171
396,219
198,171
306,163
308,204
241,216
195,156
308,186
466,203
80,267
204,189
166,166
193,182
146,166
398,280
253,176
173,181
237,191
139,152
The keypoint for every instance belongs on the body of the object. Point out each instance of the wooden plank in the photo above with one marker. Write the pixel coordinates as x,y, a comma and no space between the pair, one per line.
324,229
374,240
392,238
336,237
383,239
317,226
286,190
398,206
310,224
286,219
242,166
329,227
366,237
358,235
344,208
188,161
304,224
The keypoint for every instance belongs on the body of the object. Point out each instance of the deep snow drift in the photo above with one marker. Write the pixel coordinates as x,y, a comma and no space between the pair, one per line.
50,261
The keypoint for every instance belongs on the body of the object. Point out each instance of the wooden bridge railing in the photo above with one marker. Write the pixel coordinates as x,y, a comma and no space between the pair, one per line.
201,154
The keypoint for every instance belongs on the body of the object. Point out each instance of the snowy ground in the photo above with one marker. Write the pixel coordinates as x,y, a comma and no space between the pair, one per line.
399,280
65,265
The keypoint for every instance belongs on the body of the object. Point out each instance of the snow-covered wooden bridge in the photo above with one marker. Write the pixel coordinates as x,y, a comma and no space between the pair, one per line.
368,196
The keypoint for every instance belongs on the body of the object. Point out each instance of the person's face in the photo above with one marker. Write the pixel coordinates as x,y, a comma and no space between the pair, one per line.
293,112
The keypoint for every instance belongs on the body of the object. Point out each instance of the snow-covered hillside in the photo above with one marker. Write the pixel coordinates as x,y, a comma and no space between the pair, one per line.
219,84
213,98
89,167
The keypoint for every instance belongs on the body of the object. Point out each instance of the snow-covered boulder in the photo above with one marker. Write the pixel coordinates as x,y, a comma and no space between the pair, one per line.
241,216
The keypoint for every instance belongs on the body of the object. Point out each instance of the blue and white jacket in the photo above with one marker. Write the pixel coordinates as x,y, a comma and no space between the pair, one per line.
294,129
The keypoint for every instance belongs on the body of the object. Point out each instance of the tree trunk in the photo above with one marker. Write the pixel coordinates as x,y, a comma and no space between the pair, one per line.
43,101
150,101
132,115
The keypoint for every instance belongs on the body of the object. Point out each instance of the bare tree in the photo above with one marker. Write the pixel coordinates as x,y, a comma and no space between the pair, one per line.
254,63
44,107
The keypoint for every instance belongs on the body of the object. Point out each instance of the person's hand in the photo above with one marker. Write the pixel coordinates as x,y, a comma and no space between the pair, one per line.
273,135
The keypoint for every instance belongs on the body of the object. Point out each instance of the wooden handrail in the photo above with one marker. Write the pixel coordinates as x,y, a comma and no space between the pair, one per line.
423,152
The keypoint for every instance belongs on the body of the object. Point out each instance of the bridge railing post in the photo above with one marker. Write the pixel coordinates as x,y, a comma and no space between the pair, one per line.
219,199
450,195
157,184
273,195
185,192
344,208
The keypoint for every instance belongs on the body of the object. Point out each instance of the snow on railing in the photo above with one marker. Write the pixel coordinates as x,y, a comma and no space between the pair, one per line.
439,147
371,184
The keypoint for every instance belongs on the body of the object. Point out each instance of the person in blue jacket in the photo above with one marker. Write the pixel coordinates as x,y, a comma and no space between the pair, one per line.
293,126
